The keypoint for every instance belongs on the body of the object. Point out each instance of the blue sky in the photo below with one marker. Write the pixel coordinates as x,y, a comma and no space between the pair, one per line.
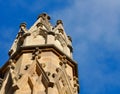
94,26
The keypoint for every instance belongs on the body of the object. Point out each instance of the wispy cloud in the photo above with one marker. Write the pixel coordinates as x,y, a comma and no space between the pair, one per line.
94,26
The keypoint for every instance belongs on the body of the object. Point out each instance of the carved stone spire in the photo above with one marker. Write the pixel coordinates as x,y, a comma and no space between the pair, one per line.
43,33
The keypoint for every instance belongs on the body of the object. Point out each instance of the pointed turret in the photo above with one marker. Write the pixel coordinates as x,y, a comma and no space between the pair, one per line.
40,61
43,33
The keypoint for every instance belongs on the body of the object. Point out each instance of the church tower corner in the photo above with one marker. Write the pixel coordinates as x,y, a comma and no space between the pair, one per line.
40,61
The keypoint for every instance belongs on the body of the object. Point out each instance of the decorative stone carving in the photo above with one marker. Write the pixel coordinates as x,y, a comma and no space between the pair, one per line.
70,47
26,67
40,32
60,38
43,33
40,61
18,77
44,16
12,64
10,52
45,20
23,31
22,34
61,31
76,85
36,53
59,22
69,38
46,81
63,61
65,79
39,25
51,33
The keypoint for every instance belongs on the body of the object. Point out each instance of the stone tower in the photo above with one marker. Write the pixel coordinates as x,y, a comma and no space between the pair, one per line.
40,61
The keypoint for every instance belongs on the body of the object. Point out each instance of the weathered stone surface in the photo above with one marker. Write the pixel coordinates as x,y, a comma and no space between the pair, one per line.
40,61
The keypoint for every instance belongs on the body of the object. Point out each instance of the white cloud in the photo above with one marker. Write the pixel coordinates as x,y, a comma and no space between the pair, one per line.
95,21
94,26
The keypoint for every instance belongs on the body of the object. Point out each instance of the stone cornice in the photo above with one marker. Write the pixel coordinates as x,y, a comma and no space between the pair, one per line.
44,48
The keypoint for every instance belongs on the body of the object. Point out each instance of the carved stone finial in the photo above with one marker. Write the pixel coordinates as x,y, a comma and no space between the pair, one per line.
61,31
10,52
59,22
69,38
39,25
44,16
70,47
23,25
